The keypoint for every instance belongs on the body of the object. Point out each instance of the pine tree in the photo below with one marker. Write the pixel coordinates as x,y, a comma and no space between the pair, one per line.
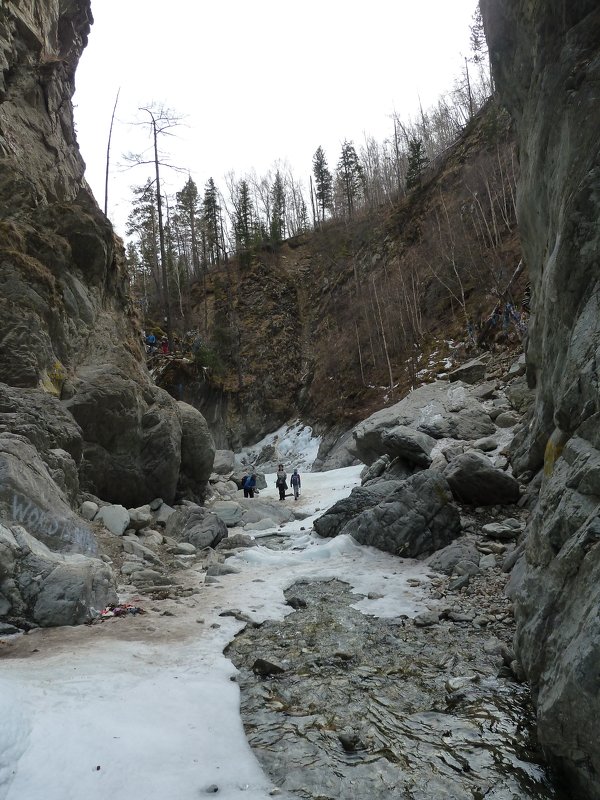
416,162
277,231
323,183
350,177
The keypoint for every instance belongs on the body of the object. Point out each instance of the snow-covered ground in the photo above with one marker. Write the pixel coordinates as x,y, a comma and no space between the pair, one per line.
144,708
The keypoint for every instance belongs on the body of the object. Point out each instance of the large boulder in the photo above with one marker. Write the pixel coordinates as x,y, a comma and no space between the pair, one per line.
224,462
409,445
415,520
132,436
439,410
30,497
197,526
360,499
50,588
335,451
471,372
473,479
197,452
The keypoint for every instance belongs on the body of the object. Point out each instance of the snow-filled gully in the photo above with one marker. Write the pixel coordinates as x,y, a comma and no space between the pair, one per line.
148,707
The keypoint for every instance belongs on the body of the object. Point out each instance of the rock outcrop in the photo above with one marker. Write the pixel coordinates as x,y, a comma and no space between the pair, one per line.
78,410
546,60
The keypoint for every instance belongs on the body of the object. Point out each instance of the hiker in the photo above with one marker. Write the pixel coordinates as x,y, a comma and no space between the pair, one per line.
151,343
470,330
164,346
295,482
249,485
281,481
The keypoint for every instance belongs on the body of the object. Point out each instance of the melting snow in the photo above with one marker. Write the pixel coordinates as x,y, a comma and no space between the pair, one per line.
145,708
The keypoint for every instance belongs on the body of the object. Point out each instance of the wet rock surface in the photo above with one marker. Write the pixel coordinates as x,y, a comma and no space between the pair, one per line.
367,707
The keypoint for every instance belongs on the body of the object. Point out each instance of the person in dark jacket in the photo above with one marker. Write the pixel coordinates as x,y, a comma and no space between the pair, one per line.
296,483
281,481
249,485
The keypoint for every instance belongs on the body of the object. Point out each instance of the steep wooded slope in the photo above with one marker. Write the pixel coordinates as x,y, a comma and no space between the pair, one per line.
323,325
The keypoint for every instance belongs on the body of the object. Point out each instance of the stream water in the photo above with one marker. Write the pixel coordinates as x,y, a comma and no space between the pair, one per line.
371,708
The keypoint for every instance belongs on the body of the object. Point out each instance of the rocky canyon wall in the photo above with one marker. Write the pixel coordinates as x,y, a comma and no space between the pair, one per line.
78,411
546,60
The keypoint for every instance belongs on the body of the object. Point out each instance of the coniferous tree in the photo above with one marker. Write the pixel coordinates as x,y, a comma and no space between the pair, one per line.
243,222
416,162
350,177
277,209
187,218
212,222
323,183
142,223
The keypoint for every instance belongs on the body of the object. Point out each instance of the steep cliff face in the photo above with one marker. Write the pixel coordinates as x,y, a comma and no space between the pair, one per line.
546,59
78,411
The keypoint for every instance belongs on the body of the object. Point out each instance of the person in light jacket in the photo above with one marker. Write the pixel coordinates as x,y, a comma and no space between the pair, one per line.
281,481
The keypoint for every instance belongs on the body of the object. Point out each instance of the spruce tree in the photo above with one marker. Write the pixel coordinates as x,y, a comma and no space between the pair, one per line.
188,210
211,222
277,210
323,183
243,222
350,177
416,162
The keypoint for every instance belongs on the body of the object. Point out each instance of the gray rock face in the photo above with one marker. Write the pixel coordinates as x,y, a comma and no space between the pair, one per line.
335,451
197,452
50,588
76,386
133,437
409,445
224,462
29,497
472,372
439,410
360,499
197,526
115,518
446,559
474,480
548,75
415,520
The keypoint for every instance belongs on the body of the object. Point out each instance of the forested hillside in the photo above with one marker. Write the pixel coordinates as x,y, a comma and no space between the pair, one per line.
337,320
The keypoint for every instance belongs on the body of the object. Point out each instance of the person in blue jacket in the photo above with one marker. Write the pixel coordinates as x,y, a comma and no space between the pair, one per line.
295,481
249,485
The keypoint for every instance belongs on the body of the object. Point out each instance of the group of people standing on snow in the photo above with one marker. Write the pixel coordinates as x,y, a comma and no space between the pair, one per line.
249,483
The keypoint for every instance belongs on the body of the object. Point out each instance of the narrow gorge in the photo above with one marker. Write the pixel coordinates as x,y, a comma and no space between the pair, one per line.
421,621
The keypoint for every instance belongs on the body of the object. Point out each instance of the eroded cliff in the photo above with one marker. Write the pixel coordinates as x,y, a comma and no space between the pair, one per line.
546,59
78,411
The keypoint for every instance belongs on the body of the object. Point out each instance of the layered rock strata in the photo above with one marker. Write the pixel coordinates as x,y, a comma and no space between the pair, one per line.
546,60
78,411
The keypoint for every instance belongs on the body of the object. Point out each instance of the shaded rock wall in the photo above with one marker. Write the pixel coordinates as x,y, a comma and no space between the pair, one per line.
546,60
78,410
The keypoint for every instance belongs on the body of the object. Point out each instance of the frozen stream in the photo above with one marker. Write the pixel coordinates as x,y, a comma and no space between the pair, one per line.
147,708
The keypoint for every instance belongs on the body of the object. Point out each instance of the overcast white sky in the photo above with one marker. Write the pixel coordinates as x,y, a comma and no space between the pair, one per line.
258,80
